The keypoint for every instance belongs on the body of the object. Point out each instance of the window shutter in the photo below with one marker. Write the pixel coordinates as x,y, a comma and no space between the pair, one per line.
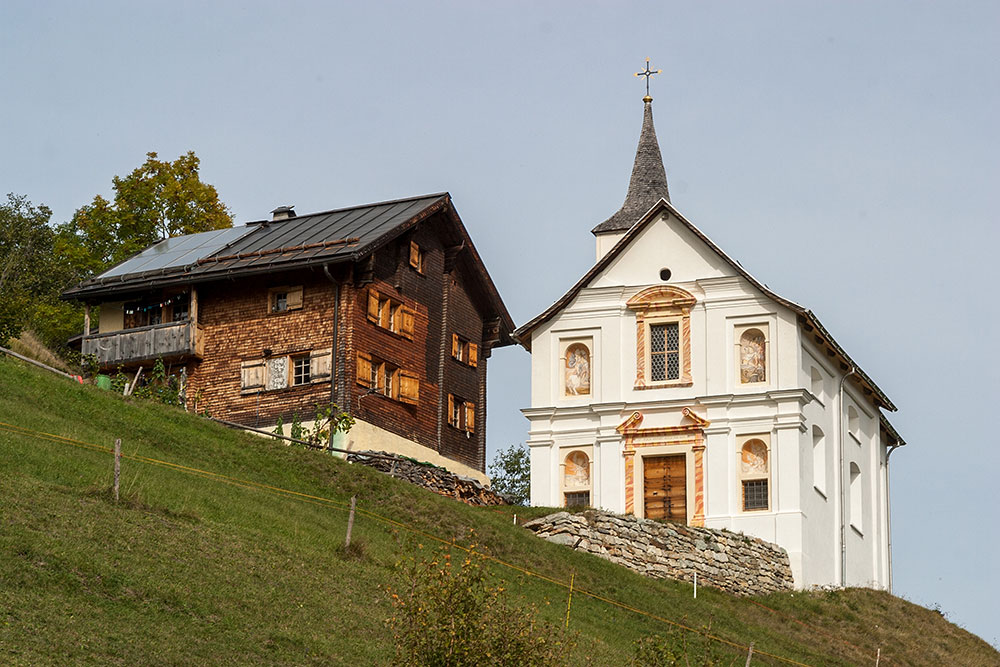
409,388
451,409
364,371
470,417
473,354
294,298
373,305
406,324
456,346
319,365
252,374
414,255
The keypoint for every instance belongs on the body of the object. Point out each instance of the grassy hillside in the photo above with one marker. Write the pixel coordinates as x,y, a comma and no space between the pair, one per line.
190,568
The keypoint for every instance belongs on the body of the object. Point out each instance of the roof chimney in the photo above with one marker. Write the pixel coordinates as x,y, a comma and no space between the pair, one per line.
283,213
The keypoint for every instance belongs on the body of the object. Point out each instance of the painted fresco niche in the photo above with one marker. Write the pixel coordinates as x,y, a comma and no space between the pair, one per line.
752,354
755,474
577,367
576,479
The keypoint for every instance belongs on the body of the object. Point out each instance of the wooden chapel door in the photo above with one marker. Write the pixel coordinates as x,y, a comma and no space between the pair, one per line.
665,487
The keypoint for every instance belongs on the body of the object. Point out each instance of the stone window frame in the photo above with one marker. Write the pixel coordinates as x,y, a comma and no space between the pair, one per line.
662,304
565,453
741,442
740,330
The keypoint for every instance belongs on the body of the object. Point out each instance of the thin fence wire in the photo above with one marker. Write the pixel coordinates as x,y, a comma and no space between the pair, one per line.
327,502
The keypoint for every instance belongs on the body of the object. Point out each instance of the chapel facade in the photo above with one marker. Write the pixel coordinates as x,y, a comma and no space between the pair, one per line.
670,384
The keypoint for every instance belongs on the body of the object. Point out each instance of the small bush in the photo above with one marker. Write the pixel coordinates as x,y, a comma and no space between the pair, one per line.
680,647
453,614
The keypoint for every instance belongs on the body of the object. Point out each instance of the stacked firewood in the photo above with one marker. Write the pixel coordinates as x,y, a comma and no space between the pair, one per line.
431,477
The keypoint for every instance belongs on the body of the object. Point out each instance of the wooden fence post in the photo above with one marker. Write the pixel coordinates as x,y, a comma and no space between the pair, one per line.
749,654
350,524
118,464
569,602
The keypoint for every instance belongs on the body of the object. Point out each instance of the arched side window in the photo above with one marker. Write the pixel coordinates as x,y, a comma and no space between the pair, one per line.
755,475
576,370
853,423
753,357
576,479
819,459
857,511
816,383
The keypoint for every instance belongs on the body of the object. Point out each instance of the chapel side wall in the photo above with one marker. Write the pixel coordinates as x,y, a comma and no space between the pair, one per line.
237,325
820,561
863,541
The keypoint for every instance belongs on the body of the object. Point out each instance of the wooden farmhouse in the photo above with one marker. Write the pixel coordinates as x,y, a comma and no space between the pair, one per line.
385,310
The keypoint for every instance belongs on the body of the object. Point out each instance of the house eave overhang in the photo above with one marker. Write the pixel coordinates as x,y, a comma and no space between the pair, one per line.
807,317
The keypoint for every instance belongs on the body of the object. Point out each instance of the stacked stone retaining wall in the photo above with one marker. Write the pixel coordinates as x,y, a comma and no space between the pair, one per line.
736,563
431,477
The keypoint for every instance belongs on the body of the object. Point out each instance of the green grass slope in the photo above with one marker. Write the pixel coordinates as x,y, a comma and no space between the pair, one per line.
195,568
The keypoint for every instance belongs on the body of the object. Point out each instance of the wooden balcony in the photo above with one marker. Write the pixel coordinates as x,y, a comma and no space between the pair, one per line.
172,341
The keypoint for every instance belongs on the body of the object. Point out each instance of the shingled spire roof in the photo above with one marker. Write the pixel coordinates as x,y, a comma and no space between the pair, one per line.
649,180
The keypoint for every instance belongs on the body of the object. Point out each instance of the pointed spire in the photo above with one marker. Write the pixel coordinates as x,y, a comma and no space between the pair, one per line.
649,180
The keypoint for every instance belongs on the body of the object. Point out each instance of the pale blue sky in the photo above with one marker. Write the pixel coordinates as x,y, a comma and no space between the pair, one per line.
844,152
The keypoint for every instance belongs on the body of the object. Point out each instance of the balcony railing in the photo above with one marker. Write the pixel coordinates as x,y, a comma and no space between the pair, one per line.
172,340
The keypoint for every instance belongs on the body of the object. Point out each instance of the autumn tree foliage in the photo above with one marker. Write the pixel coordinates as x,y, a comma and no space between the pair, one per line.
158,200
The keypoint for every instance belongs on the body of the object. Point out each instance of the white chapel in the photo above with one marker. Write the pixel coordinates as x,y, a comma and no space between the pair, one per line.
671,384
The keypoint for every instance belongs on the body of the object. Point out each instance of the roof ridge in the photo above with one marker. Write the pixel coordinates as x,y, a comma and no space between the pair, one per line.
431,195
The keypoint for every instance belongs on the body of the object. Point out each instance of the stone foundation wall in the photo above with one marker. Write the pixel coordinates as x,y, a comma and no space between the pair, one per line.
431,477
734,562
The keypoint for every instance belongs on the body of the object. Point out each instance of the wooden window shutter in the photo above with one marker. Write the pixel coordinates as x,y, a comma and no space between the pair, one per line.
252,374
415,255
319,365
451,409
364,370
406,323
409,388
294,298
470,417
456,346
373,305
473,354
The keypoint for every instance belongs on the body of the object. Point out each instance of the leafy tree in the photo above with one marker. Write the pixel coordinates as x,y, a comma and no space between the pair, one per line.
158,200
26,257
511,473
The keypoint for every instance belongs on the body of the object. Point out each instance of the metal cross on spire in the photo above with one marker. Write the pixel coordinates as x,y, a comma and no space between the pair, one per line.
648,73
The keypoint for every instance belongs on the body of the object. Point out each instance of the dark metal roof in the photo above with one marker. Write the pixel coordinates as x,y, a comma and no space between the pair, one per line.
263,246
340,234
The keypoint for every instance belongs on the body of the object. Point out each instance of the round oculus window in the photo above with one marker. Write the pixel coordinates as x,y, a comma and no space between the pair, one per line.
664,274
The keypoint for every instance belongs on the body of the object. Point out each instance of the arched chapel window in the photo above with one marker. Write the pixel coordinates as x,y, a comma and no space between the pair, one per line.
819,459
576,479
755,473
856,508
576,370
816,382
853,422
753,357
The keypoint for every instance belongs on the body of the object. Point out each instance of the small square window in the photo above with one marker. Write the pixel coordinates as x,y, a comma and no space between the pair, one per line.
301,370
578,499
282,299
754,494
279,302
